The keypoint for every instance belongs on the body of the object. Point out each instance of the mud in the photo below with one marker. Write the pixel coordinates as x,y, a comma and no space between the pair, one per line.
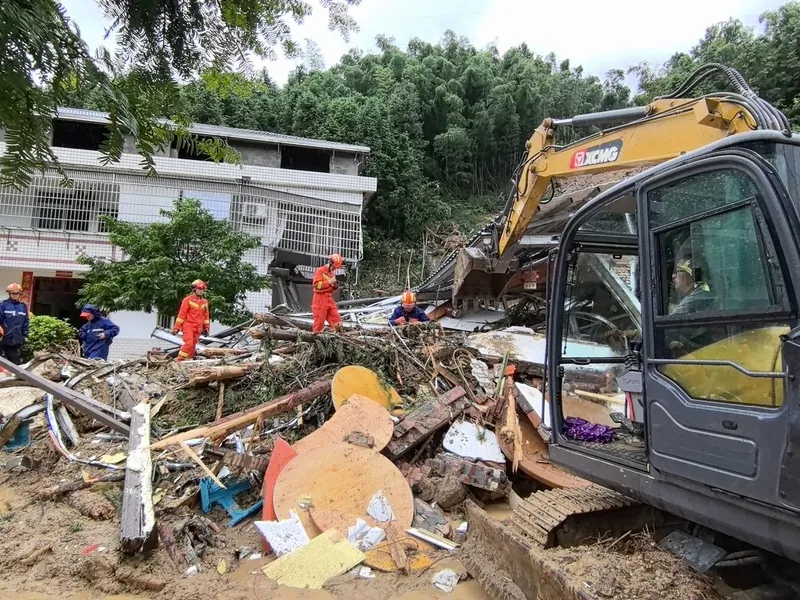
85,562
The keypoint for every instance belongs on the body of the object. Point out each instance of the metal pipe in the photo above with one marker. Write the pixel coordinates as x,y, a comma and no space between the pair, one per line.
607,117
167,336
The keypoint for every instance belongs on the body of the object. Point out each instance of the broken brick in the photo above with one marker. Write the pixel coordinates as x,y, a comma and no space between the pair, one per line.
480,475
420,423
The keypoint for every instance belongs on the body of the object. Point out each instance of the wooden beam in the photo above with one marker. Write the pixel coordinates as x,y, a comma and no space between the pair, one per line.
138,524
238,420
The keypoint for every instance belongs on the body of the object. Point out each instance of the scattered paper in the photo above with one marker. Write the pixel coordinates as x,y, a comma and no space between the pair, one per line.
364,537
446,580
304,501
365,573
192,571
467,440
284,536
113,459
222,566
255,556
379,508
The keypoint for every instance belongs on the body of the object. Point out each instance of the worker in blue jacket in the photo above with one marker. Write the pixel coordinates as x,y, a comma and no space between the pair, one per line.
96,335
14,322
408,311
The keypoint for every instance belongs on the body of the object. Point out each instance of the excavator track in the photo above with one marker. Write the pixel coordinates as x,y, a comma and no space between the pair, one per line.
541,518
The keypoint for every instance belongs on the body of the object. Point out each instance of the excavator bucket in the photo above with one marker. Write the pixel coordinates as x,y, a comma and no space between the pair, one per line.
478,277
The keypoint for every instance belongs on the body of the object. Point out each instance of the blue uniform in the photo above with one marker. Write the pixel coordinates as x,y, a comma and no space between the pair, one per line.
92,344
415,313
14,320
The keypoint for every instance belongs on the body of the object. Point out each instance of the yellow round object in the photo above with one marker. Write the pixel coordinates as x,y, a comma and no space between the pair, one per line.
363,382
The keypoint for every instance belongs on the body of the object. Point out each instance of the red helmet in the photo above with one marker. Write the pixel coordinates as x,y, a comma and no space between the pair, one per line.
336,260
199,284
14,288
408,299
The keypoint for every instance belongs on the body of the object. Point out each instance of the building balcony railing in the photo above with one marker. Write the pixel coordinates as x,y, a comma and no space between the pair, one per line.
48,214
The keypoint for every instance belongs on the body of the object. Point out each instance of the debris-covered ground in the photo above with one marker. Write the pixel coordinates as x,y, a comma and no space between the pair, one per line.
280,460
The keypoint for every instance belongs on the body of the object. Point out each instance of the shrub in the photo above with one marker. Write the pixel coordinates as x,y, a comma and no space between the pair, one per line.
47,334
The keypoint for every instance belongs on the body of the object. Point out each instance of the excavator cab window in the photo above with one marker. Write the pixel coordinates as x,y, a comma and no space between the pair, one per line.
715,260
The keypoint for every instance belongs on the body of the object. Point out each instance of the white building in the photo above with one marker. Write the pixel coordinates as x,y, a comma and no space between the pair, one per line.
302,197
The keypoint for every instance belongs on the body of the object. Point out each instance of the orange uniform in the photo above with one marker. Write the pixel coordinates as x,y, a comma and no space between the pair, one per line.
323,308
194,317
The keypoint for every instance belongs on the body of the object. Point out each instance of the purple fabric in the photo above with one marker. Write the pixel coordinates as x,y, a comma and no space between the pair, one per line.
581,429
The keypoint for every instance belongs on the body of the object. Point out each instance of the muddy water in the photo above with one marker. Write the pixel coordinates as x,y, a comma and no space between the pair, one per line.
467,590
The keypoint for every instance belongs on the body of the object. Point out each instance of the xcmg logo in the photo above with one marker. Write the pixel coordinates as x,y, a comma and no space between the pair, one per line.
596,155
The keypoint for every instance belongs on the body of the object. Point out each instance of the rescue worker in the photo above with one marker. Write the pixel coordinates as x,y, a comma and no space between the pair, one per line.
194,319
14,322
408,311
323,308
97,333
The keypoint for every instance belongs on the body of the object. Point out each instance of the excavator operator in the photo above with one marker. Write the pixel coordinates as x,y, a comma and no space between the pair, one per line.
691,286
194,319
323,307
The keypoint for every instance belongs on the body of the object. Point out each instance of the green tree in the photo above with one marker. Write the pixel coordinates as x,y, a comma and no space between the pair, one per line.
44,64
163,258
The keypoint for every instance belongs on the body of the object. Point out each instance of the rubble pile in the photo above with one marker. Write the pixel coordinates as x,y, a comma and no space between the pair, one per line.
354,450
348,457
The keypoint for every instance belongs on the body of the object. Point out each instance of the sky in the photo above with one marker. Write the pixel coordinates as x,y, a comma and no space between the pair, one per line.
598,35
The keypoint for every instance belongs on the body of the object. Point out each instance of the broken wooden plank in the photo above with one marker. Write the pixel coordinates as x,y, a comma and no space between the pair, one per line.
243,418
91,408
193,455
420,423
138,524
221,401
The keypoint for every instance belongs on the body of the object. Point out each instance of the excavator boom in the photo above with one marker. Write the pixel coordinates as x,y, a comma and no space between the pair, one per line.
631,138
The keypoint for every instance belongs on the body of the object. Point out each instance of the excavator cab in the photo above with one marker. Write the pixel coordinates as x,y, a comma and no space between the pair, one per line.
713,362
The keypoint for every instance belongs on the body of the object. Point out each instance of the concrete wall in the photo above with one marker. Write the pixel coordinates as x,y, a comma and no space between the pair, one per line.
344,163
259,155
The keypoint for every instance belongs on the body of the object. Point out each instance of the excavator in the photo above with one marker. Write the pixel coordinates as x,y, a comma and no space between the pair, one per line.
711,219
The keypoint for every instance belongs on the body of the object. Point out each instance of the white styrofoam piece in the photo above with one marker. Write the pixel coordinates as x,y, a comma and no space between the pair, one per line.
379,508
284,536
446,580
480,371
533,397
364,537
465,439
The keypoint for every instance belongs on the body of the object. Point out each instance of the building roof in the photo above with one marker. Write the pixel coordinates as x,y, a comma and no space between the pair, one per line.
96,116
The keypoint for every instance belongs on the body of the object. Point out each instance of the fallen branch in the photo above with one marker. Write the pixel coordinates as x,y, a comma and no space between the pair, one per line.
54,492
223,352
241,419
200,375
